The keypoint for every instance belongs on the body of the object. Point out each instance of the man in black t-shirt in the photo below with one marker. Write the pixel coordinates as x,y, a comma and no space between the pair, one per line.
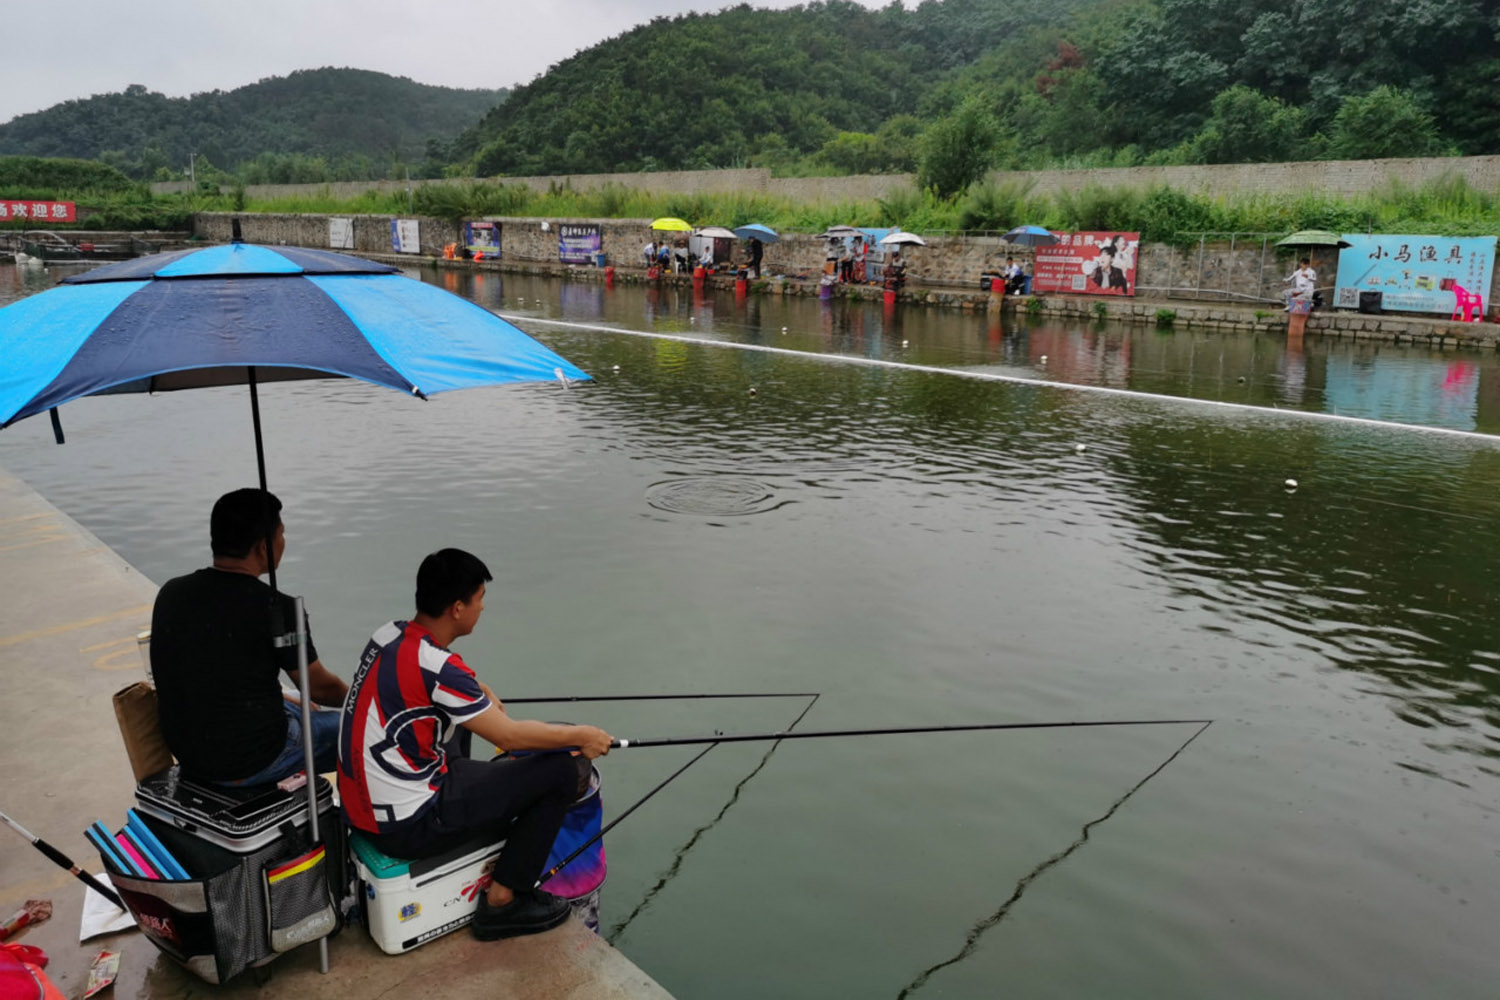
216,664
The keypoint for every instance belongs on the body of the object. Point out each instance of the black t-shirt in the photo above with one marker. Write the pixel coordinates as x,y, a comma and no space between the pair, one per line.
217,686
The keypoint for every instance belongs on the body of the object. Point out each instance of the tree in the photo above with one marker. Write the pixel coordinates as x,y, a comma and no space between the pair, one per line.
1246,126
959,148
1384,122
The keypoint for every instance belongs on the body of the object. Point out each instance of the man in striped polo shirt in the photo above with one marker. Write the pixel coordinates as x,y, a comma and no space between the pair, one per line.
405,778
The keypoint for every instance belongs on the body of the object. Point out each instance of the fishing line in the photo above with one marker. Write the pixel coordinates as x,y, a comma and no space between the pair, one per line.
641,801
979,929
615,822
660,697
681,853
984,376
903,730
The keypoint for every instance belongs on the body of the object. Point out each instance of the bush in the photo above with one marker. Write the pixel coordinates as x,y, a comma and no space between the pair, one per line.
998,206
41,177
1385,122
1166,317
959,148
1246,126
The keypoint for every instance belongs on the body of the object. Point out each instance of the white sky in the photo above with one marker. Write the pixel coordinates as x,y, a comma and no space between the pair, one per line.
181,47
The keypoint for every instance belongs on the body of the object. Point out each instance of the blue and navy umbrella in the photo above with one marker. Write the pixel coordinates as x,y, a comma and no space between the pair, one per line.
241,313
756,231
1030,236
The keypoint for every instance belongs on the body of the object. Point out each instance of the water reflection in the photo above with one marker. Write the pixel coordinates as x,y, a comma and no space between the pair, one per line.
1395,382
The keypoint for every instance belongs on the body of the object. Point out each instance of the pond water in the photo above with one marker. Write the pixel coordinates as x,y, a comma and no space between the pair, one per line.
896,519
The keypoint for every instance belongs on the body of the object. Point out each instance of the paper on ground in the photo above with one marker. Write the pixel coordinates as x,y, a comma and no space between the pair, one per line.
100,916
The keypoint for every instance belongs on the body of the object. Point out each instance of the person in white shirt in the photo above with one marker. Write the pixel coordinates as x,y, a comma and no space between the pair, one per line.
1304,282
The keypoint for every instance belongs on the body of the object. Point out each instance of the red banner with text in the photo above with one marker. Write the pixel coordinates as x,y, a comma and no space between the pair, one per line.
1088,264
17,210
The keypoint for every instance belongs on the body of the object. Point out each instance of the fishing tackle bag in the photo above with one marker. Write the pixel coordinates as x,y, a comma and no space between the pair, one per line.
259,884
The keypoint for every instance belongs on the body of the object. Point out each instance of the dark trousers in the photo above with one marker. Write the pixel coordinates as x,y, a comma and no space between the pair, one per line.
520,799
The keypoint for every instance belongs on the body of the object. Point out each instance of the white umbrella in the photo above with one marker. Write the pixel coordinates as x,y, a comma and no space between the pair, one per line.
718,233
898,238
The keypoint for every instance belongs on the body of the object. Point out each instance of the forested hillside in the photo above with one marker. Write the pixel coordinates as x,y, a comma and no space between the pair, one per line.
837,87
747,85
311,125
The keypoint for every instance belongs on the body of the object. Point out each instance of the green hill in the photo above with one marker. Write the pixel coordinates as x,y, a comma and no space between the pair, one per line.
837,87
724,89
328,122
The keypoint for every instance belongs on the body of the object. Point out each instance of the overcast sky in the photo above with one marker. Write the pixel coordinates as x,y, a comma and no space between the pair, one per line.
181,47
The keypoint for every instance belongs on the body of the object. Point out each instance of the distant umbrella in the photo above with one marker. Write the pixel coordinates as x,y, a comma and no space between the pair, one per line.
756,231
717,232
1030,236
1314,238
903,237
838,232
671,225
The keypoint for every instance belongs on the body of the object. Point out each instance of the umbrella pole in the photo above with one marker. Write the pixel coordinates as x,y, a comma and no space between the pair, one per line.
260,466
309,762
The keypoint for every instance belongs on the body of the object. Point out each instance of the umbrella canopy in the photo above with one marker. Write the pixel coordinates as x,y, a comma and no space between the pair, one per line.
1314,238
833,232
898,238
206,317
756,231
1030,236
717,232
671,225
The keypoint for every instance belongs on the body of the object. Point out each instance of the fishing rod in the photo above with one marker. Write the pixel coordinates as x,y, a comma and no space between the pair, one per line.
658,697
63,861
825,733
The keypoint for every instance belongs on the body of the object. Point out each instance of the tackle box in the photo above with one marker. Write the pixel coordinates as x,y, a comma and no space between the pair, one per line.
408,903
241,820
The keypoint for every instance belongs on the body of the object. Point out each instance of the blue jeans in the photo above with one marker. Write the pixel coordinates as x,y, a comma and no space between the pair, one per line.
325,731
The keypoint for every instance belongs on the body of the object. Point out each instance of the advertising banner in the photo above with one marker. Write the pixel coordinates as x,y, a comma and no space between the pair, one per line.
578,242
14,209
482,238
405,236
1088,264
1415,273
340,234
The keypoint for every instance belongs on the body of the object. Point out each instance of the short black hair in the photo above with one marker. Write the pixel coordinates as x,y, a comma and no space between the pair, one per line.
446,576
1305,260
240,519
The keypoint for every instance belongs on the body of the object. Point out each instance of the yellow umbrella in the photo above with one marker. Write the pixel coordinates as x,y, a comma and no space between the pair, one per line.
672,225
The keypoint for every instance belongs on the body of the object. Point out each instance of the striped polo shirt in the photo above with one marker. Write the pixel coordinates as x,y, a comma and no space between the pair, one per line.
407,697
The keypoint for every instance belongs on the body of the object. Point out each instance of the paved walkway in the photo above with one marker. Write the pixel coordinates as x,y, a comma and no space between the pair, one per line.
70,613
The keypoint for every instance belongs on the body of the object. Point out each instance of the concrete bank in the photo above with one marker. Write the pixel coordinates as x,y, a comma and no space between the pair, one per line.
68,625
1226,316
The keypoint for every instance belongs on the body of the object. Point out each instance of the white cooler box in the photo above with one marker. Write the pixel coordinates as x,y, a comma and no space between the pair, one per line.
408,903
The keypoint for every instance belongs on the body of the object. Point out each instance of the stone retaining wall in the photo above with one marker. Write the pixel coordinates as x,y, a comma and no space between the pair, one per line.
1210,276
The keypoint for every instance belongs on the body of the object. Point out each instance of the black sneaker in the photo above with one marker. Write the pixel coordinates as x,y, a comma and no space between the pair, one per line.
529,913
